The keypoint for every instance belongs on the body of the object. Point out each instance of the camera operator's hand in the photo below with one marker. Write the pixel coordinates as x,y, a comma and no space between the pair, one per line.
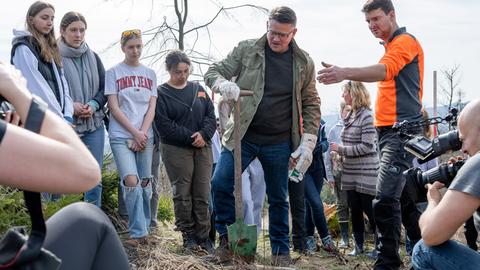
13,118
433,193
13,87
453,160
11,82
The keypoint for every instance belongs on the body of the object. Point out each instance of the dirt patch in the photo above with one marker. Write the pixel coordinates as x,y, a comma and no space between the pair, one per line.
168,254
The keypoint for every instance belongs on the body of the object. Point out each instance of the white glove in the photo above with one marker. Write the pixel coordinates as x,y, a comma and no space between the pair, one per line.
303,157
228,89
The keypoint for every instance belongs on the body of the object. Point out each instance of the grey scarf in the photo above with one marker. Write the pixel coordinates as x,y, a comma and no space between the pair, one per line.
81,72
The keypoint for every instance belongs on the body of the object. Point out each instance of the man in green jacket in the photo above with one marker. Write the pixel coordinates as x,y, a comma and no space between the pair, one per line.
282,115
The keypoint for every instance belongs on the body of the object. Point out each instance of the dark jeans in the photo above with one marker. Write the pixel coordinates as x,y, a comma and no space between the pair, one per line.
387,209
274,160
315,217
297,210
83,237
360,203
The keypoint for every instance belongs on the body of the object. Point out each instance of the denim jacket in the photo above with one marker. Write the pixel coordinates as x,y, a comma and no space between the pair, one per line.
246,62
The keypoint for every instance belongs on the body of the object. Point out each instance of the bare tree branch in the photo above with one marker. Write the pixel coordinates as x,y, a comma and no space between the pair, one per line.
451,76
225,9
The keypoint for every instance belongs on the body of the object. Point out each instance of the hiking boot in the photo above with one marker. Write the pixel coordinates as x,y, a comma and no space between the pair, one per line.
282,260
131,243
223,252
189,242
207,245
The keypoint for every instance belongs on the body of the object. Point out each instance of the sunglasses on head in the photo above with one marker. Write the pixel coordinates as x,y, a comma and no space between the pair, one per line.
129,33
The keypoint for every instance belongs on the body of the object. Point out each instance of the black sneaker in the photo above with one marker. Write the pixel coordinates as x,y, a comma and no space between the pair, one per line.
189,242
207,245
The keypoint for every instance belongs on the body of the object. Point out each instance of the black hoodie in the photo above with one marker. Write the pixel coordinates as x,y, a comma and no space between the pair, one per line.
182,112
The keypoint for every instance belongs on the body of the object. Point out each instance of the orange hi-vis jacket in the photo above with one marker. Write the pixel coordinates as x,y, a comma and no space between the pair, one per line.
399,95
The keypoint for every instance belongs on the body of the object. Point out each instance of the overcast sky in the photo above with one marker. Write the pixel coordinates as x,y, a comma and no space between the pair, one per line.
330,31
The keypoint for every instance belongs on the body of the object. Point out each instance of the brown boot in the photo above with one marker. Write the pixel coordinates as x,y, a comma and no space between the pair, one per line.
132,242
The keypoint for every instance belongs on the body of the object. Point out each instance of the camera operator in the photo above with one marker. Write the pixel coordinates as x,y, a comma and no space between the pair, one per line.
445,214
56,161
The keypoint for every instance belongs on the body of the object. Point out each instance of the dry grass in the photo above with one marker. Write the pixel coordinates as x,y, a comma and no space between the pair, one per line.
152,258
168,254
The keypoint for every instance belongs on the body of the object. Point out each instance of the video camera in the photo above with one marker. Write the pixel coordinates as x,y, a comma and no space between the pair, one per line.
425,149
416,179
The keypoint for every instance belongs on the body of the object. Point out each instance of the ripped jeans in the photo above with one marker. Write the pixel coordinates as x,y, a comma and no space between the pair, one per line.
137,198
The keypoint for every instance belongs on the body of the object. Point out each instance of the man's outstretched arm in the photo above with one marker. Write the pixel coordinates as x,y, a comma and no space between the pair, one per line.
334,74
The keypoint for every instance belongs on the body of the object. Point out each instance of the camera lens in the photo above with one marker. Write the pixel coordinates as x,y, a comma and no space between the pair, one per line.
444,173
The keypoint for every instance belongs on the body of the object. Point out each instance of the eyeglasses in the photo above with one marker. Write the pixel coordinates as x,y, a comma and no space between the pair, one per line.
132,32
280,35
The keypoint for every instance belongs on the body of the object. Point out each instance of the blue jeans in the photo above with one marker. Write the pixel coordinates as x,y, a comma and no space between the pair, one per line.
450,255
274,160
95,141
137,198
314,215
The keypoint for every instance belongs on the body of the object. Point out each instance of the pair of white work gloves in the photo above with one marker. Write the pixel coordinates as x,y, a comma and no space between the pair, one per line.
301,158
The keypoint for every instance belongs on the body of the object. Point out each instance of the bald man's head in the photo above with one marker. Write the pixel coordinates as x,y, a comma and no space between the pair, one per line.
469,127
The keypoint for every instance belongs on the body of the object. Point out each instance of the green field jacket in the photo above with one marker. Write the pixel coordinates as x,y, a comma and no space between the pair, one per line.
246,62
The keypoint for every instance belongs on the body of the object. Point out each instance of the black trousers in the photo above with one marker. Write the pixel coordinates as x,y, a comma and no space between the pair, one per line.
389,208
83,237
360,203
296,196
